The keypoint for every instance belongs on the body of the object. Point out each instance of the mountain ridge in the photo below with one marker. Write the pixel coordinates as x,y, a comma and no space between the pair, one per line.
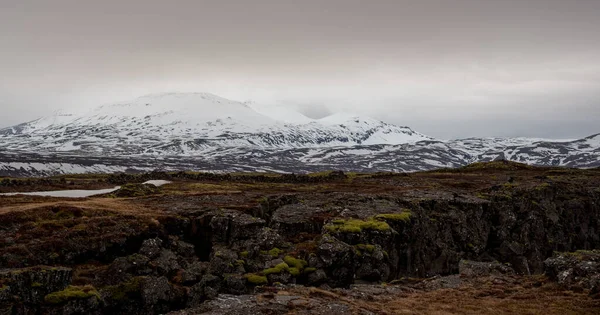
211,133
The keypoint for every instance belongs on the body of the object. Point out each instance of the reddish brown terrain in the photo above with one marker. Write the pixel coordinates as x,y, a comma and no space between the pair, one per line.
488,238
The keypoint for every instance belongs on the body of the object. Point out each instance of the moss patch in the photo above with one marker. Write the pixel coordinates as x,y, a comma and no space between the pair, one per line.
356,225
126,289
396,217
275,252
256,279
366,247
240,262
71,293
277,269
295,262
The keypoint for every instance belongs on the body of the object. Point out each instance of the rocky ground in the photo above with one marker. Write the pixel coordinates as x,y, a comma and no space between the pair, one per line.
488,238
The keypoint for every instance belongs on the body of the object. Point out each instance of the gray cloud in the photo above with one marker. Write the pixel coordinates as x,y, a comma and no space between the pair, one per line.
448,68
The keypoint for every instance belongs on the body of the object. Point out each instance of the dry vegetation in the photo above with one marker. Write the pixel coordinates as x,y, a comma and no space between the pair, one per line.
33,227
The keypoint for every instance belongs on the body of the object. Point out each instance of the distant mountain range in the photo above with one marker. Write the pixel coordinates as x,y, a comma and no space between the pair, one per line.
201,131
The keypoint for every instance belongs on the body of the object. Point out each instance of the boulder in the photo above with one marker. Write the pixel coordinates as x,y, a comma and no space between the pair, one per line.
208,288
124,268
159,296
473,269
166,263
232,226
337,259
194,272
372,263
235,284
289,220
577,270
151,247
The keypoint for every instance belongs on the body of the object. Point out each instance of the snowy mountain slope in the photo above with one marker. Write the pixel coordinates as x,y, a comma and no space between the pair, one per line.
205,132
188,124
576,153
280,113
409,157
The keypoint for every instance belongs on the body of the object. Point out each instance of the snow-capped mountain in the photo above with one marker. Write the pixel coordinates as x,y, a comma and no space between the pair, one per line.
205,132
189,124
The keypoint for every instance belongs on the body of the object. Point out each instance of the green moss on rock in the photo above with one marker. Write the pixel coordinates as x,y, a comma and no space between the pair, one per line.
72,293
395,217
275,252
256,279
277,269
295,262
366,247
356,225
125,289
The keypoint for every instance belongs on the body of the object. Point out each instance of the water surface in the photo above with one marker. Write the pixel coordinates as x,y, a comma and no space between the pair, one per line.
80,193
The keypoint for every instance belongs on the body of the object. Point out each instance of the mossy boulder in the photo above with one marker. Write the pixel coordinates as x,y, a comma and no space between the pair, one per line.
124,290
72,293
255,279
279,268
295,262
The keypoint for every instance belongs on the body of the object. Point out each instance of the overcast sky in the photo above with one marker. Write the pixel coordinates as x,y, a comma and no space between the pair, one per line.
446,68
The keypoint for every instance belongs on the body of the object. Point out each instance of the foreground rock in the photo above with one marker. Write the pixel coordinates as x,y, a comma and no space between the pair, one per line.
576,271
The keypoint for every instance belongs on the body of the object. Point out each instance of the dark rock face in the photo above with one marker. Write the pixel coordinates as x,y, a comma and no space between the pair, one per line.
372,264
337,259
521,230
26,288
290,220
234,226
